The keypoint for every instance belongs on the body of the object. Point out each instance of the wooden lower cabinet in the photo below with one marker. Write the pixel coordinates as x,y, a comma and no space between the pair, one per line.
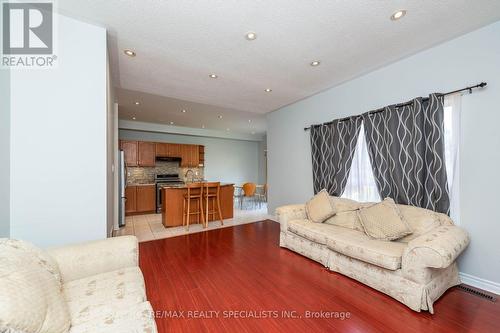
140,199
146,198
130,202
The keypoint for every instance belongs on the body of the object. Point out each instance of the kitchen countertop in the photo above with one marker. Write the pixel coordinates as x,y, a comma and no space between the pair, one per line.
184,185
141,184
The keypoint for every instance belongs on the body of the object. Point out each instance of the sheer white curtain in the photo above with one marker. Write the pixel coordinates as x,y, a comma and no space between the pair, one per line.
361,184
452,115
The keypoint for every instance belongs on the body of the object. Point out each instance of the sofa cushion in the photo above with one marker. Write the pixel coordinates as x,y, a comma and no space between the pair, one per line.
315,232
89,297
383,221
136,318
346,214
31,299
357,245
319,208
420,220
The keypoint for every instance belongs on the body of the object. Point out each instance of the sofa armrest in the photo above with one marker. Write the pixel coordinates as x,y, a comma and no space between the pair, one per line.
289,213
90,258
438,248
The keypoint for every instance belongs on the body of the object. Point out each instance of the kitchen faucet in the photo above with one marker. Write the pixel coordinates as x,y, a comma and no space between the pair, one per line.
189,171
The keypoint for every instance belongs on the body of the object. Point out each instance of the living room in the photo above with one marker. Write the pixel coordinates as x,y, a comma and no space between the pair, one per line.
367,133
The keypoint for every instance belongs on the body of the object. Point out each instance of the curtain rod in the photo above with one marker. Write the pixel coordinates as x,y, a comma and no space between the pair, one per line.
480,85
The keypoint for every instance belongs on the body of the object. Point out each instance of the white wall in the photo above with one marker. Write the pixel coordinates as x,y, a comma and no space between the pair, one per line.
467,60
111,154
58,142
233,161
4,153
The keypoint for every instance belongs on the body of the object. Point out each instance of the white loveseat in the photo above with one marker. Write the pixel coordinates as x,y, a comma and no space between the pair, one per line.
415,270
94,287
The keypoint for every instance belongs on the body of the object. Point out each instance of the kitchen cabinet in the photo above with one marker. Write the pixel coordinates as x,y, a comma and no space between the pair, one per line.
130,202
168,150
130,149
140,199
190,155
146,154
174,150
145,198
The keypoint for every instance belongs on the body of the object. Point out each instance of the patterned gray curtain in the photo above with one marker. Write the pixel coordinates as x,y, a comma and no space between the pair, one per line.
406,148
332,147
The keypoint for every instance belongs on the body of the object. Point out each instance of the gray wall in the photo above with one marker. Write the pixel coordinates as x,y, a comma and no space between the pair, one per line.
234,161
4,153
469,59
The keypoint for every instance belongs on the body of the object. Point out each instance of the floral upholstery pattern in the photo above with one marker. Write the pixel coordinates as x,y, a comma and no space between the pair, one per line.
26,306
137,318
315,232
437,248
89,297
422,268
90,258
94,287
357,245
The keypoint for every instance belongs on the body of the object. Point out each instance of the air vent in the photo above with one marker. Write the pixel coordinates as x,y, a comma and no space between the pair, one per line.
476,292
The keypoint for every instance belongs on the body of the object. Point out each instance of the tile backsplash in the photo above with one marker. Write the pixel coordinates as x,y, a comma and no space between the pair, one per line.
146,175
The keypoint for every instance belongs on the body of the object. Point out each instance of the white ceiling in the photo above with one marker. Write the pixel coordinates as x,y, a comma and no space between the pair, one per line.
179,43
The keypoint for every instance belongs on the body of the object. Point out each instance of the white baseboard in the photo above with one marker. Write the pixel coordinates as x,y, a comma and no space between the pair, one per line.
471,280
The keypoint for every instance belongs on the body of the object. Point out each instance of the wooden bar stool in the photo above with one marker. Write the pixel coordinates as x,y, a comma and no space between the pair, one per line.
194,192
212,192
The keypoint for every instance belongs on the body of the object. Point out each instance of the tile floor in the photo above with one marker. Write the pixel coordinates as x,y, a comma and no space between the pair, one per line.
149,227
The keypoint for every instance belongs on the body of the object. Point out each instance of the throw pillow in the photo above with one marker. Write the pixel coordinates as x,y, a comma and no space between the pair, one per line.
31,299
383,221
319,208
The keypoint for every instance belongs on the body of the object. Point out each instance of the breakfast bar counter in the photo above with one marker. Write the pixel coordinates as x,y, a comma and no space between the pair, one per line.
172,200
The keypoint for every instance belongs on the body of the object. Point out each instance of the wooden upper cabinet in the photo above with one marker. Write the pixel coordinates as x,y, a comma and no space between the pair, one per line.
190,155
146,198
174,150
168,150
130,149
147,154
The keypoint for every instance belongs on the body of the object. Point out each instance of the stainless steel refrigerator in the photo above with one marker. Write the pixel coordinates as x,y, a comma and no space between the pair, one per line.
122,182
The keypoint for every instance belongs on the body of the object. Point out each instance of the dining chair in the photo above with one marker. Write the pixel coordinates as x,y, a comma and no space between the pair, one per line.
249,193
261,194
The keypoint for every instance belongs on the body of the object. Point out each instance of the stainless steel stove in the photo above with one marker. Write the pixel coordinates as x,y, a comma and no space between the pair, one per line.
162,180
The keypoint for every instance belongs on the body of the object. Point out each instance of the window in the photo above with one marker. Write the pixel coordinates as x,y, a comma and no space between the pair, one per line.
452,111
361,185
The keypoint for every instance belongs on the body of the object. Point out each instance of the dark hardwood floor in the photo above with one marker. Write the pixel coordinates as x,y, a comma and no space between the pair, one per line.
243,269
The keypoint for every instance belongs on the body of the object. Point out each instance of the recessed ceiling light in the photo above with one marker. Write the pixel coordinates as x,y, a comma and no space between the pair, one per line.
268,90
171,123
220,117
253,133
130,53
249,120
398,14
137,103
213,76
251,35
183,111
133,118
315,63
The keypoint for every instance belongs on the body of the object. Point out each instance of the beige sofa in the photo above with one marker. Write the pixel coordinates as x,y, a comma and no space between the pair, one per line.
94,287
415,270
